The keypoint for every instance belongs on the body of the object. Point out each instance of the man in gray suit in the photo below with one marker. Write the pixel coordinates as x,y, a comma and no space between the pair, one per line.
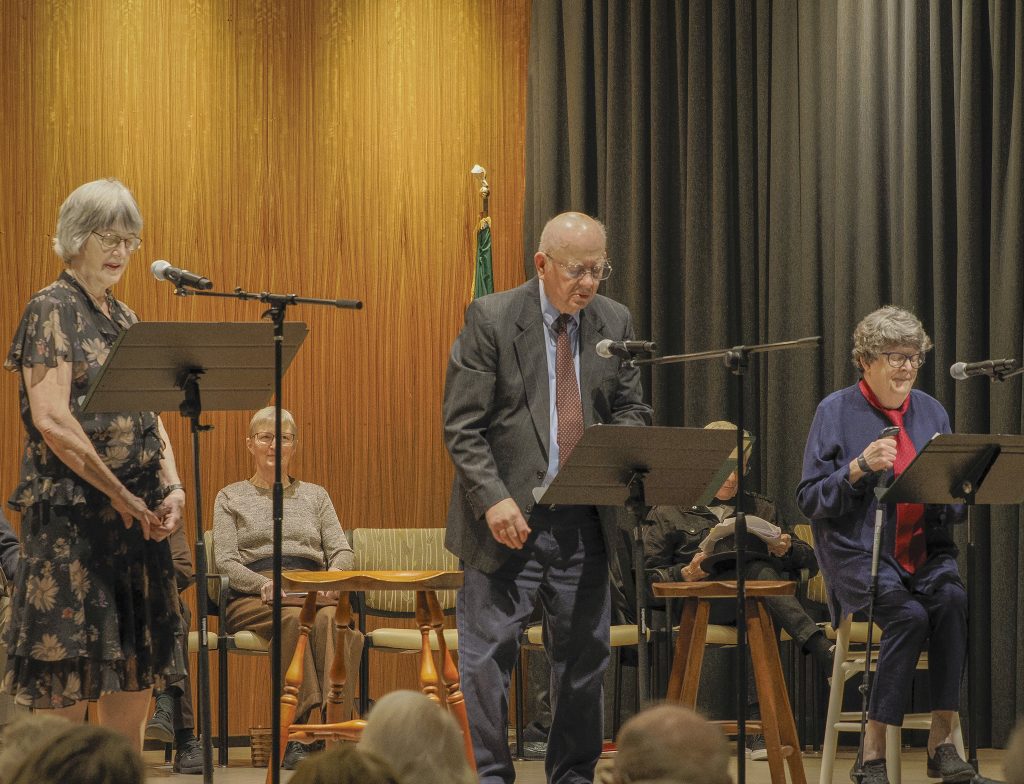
523,381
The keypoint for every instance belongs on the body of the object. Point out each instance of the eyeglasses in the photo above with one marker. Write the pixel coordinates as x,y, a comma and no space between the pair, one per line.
109,241
898,359
600,271
266,439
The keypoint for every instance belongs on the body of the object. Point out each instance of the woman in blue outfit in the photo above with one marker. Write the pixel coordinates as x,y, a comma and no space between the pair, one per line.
921,598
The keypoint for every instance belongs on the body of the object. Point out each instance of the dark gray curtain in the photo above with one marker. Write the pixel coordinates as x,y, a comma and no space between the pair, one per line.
772,170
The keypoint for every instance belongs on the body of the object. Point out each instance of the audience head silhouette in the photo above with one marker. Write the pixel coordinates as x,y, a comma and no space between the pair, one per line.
670,744
420,741
343,765
84,754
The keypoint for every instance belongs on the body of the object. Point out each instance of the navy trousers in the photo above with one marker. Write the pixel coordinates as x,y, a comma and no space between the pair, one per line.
564,566
907,619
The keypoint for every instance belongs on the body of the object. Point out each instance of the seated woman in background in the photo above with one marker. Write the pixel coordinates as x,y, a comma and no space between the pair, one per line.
312,539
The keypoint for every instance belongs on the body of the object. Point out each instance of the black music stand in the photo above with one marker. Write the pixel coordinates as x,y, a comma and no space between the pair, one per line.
637,468
971,469
156,366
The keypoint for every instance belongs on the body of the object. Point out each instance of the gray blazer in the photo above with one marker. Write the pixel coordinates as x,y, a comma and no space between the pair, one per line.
496,404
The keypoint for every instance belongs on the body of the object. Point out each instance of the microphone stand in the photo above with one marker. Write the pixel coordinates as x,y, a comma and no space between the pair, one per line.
736,359
276,313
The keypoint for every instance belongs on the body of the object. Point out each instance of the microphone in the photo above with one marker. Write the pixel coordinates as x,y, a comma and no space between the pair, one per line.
989,367
162,270
624,348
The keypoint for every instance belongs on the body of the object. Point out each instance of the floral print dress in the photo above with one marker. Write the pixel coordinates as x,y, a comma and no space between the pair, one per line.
95,606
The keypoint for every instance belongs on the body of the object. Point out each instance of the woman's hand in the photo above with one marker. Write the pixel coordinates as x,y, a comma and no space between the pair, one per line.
692,573
171,512
132,508
267,592
880,455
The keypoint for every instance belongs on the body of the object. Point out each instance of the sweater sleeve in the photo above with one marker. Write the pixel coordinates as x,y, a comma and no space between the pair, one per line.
337,551
225,540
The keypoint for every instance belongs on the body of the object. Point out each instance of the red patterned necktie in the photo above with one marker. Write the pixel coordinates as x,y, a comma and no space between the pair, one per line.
568,405
910,543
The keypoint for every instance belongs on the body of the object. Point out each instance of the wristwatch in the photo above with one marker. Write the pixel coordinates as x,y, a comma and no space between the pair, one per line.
168,489
864,464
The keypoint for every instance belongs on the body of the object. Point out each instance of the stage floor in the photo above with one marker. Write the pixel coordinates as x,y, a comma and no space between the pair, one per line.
240,772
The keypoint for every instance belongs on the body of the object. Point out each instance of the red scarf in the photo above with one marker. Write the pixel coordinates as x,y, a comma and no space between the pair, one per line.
910,544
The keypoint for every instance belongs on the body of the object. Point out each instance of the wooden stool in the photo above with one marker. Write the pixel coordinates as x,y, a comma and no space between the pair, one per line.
776,723
439,683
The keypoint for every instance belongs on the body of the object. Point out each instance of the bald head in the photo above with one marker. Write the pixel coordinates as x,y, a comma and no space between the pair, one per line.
571,241
670,744
572,230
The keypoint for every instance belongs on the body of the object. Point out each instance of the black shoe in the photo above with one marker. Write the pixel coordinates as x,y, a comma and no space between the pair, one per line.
535,749
535,730
294,753
948,766
188,757
161,726
756,747
874,773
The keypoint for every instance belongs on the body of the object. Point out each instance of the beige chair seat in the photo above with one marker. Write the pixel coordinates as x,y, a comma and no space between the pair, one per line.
244,642
409,640
621,634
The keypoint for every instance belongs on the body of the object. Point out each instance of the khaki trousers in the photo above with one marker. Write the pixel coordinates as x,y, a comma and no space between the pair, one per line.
249,613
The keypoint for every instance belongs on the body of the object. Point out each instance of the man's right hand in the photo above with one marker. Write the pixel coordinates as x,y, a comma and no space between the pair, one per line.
507,524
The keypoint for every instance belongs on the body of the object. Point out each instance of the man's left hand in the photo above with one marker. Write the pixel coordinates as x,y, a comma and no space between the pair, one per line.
781,546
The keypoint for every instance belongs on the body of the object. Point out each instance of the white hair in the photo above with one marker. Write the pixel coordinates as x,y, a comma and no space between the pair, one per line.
96,205
264,420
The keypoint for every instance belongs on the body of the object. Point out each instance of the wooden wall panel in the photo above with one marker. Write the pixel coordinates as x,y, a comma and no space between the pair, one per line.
314,147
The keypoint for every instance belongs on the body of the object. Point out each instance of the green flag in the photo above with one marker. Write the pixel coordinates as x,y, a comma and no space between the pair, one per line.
483,276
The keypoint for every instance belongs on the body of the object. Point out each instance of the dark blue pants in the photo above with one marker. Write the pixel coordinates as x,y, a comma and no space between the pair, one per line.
907,620
563,565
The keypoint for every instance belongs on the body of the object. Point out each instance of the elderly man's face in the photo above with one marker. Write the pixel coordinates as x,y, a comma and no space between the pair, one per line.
568,294
890,384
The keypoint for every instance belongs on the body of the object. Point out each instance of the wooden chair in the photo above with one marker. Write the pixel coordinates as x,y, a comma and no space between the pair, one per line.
439,682
243,643
777,724
383,549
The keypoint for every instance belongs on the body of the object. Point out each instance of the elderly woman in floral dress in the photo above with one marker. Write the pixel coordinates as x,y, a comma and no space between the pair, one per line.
95,611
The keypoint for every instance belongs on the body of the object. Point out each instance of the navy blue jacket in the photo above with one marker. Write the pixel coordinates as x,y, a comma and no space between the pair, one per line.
843,515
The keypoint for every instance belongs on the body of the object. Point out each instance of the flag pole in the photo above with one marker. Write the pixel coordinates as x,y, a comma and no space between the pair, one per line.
483,268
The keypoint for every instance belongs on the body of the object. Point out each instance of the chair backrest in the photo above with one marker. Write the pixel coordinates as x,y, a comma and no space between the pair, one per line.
816,591
401,548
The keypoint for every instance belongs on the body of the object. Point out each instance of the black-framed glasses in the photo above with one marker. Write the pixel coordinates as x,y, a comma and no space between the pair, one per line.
109,241
898,359
600,271
266,439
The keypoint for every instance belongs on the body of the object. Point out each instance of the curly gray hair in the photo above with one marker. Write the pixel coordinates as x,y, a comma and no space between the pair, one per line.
884,328
96,205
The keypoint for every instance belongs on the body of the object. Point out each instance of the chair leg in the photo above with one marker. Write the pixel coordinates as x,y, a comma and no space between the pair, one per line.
958,737
222,700
519,703
835,704
617,693
893,744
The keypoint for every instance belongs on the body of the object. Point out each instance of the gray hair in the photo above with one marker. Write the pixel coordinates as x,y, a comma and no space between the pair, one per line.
264,419
885,327
431,751
90,207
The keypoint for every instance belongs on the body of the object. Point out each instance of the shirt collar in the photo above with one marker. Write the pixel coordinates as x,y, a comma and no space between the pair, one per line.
550,312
